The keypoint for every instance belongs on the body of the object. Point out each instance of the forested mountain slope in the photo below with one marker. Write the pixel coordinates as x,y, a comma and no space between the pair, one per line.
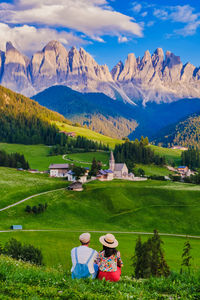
184,133
95,110
23,120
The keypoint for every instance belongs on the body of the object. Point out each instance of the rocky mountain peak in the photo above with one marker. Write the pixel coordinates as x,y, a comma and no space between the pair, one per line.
10,47
171,59
158,58
54,46
152,78
117,70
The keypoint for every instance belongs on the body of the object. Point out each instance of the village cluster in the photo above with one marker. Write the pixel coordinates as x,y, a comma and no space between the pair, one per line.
116,170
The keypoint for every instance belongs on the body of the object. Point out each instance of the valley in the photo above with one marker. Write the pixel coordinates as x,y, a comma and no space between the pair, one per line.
119,206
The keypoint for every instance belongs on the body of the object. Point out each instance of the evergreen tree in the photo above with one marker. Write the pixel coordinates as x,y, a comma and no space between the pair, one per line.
78,171
94,168
186,256
149,258
28,209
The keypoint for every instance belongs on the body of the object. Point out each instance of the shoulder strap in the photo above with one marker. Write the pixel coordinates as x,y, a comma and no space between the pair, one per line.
76,255
90,257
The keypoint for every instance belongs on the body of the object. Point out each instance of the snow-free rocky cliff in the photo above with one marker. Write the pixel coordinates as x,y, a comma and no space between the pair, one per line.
156,77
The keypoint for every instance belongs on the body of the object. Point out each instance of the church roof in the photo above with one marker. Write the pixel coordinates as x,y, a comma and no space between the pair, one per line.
119,167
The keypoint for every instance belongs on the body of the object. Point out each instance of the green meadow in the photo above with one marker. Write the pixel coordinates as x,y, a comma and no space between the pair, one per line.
170,154
153,170
116,205
56,247
85,159
37,155
17,185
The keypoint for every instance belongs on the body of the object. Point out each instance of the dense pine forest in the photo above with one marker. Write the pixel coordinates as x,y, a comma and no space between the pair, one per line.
24,121
13,160
191,158
137,152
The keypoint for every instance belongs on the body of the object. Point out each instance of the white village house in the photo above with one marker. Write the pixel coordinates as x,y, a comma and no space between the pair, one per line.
59,170
62,170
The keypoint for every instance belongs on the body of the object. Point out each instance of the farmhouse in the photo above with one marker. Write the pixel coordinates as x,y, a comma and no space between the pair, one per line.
179,148
75,186
71,134
182,169
120,170
59,170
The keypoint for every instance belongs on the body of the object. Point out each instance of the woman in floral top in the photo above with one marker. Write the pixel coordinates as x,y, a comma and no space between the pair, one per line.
109,260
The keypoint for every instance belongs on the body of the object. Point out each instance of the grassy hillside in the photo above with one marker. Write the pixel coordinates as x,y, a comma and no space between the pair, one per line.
85,159
18,278
92,135
102,206
133,206
37,155
17,185
170,154
23,120
153,170
56,247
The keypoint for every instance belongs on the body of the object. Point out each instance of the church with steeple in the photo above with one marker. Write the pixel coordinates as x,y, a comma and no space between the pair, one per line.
119,170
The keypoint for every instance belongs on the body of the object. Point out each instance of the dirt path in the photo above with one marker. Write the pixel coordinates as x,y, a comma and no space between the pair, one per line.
99,231
30,197
77,161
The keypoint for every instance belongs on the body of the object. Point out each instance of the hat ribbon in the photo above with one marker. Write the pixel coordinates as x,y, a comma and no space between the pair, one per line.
108,242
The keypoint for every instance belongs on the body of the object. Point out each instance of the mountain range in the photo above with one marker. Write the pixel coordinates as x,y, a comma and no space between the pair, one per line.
115,118
152,78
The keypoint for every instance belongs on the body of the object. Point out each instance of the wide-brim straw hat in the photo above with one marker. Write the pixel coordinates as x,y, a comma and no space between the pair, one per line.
108,240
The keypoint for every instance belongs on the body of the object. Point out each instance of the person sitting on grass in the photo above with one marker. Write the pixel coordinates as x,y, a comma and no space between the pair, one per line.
84,259
109,260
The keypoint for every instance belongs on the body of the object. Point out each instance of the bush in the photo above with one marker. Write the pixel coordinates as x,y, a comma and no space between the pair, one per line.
25,252
36,209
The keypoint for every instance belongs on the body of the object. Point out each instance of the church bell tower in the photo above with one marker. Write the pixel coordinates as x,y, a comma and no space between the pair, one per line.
111,162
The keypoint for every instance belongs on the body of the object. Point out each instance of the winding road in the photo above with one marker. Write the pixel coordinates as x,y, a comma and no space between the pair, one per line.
30,197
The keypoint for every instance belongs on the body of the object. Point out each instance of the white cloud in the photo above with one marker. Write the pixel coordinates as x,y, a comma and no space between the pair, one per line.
180,14
122,39
189,29
29,39
144,14
94,18
137,7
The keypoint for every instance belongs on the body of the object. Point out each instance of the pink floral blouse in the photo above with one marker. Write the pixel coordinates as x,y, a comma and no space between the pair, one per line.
109,264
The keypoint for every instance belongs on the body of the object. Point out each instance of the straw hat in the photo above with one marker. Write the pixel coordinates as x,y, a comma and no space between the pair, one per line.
84,238
108,240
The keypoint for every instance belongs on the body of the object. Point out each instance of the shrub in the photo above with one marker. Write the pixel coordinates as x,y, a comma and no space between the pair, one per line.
25,252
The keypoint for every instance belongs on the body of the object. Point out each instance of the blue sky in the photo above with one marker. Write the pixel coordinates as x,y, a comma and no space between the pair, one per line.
107,29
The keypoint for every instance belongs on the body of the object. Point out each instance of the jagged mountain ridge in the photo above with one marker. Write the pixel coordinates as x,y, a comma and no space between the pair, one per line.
157,77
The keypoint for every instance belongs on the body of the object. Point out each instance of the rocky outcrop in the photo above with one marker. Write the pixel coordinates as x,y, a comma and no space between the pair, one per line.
156,77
